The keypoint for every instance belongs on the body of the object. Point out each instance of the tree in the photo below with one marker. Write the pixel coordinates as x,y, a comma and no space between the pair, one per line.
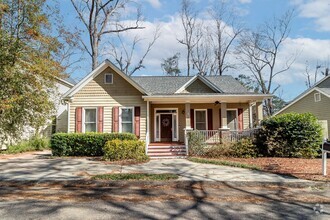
248,82
170,65
258,52
27,70
225,33
188,19
123,54
100,18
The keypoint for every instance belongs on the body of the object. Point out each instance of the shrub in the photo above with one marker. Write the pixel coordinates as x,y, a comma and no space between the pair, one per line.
219,150
196,144
33,144
84,144
244,148
125,150
290,135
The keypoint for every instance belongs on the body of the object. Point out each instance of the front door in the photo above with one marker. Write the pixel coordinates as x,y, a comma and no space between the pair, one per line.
166,127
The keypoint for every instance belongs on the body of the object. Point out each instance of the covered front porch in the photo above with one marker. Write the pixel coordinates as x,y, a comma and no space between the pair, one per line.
170,118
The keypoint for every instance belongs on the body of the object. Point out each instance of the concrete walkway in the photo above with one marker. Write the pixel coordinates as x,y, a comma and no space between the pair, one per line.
40,167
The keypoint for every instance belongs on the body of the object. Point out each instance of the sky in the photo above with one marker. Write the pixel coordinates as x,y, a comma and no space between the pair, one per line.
308,41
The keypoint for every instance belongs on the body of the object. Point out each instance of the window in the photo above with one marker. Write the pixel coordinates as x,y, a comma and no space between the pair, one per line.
232,119
200,119
126,120
317,97
54,124
108,78
90,120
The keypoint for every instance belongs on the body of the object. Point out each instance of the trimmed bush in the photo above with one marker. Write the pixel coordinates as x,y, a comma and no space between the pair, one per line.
290,135
125,150
244,148
196,144
84,144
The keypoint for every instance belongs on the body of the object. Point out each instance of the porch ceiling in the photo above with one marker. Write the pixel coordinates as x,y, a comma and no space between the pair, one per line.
209,98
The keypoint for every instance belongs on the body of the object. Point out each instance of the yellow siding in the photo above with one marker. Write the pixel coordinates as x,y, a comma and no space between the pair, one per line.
307,104
97,94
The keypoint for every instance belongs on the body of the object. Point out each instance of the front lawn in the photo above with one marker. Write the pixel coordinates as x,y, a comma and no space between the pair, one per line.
136,176
310,169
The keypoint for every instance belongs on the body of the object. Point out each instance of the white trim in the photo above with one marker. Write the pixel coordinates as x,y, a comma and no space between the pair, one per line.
301,96
105,78
203,79
148,127
83,118
68,110
120,119
95,73
206,118
317,97
68,84
236,110
159,127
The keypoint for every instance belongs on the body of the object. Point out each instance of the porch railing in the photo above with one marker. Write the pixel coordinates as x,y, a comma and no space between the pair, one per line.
217,136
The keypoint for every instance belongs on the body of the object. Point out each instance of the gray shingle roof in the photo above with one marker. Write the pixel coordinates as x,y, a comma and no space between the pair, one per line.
167,85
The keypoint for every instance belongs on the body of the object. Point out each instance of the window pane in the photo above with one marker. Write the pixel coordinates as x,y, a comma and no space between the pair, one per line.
232,121
90,115
126,114
200,116
108,78
201,126
157,126
127,127
174,126
90,127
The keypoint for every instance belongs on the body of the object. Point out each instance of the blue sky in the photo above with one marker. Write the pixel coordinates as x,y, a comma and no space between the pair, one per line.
309,38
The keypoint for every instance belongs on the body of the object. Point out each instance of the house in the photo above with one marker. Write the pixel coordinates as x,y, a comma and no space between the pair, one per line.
59,121
159,109
315,100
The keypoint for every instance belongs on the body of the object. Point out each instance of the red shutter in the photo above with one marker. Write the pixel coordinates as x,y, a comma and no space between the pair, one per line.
100,119
137,114
78,119
192,118
209,119
115,119
220,118
240,119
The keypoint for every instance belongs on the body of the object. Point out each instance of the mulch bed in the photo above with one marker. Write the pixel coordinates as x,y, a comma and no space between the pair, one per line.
310,169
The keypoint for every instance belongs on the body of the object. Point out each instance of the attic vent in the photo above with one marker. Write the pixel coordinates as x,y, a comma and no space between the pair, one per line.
108,78
317,97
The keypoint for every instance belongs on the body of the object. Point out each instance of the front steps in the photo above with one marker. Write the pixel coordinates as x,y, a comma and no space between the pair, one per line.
160,150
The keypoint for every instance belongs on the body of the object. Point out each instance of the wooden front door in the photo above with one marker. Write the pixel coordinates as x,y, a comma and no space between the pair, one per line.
166,127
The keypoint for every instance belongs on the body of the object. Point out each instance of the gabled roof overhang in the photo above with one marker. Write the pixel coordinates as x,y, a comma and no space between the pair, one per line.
207,98
201,78
68,95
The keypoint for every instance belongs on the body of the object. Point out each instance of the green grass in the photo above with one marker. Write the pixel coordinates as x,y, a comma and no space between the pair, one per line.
136,176
34,144
224,163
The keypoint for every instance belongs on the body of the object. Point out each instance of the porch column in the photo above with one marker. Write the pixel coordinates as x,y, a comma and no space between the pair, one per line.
250,115
148,127
223,115
187,111
259,112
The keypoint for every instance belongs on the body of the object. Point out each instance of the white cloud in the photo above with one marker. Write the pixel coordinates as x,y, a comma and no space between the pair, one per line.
245,1
155,3
315,9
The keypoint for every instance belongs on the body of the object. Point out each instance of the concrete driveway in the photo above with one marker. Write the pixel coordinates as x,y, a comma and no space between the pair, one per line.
41,167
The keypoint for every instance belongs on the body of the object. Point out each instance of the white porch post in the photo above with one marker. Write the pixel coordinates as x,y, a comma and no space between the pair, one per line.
259,112
148,127
250,115
188,126
224,115
324,162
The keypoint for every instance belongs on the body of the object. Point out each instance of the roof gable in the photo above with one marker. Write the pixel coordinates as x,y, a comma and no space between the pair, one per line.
102,67
198,84
322,86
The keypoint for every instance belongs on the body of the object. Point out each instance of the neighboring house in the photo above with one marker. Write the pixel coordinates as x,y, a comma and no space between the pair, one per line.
60,119
158,109
315,100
